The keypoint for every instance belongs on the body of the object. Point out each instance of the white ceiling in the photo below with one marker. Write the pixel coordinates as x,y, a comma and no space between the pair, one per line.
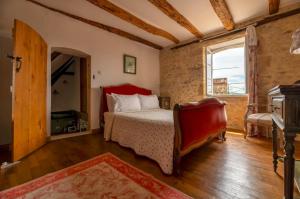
199,12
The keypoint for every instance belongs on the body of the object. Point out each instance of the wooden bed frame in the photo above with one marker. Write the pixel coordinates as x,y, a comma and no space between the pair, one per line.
195,123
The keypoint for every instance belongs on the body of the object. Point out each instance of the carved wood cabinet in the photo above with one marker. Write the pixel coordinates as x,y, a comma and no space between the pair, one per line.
286,116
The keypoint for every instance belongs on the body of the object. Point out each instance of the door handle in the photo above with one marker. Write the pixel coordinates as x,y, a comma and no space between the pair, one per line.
17,60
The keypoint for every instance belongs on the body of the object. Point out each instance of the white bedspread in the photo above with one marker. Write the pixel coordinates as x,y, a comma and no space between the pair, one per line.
149,133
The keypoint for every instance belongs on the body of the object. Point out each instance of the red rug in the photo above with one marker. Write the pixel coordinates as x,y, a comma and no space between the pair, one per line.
104,176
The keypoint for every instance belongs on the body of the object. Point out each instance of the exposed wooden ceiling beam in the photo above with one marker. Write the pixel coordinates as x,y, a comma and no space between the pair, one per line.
101,26
257,21
273,6
170,11
125,15
223,13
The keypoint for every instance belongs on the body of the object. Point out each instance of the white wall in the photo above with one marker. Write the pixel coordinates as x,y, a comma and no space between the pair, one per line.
106,49
67,86
5,94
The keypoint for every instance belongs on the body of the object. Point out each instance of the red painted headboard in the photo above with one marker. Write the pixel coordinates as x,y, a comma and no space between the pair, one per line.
124,89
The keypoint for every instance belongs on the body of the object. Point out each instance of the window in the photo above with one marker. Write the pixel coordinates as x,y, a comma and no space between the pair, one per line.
225,67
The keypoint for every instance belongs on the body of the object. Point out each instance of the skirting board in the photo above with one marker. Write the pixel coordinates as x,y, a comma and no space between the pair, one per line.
57,137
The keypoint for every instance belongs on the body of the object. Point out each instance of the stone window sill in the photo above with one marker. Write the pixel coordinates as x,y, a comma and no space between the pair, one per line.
228,96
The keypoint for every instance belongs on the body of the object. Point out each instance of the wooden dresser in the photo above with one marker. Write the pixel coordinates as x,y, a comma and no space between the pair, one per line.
286,116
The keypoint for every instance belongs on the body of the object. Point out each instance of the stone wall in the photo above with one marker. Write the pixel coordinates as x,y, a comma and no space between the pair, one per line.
182,73
275,63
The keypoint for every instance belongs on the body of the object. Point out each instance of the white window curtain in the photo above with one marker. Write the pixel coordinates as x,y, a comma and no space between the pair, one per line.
251,44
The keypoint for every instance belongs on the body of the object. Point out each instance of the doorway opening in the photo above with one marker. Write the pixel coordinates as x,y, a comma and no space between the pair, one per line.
70,92
6,71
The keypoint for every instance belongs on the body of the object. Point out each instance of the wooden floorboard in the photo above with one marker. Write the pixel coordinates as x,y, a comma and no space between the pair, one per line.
237,168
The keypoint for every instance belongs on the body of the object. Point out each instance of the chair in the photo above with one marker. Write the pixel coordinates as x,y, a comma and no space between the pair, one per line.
258,119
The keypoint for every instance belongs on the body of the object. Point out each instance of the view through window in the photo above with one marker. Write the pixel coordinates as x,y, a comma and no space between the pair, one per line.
226,74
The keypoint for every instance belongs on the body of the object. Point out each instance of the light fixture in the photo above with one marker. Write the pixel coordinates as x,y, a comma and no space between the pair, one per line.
295,48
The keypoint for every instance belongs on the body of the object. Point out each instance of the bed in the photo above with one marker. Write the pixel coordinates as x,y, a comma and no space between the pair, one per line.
164,136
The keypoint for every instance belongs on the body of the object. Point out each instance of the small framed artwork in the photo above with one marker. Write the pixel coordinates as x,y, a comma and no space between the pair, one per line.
129,64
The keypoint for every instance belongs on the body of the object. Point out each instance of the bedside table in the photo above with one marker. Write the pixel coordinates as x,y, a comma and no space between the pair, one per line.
164,102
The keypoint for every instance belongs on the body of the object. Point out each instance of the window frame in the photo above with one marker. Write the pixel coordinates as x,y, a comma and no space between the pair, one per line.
208,50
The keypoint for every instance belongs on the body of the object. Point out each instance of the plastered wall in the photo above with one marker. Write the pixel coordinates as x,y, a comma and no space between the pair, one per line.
106,49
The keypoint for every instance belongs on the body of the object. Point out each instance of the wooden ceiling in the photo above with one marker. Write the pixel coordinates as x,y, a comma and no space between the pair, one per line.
161,23
130,18
171,12
223,12
273,6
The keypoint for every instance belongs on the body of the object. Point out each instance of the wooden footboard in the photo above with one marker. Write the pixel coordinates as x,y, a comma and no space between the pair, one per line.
195,124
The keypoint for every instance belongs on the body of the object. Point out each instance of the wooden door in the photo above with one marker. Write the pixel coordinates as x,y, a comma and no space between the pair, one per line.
29,91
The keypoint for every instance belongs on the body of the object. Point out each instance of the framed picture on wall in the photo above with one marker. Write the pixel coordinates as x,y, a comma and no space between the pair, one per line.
129,64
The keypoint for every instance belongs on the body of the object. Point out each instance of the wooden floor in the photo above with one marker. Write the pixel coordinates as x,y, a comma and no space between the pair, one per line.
237,168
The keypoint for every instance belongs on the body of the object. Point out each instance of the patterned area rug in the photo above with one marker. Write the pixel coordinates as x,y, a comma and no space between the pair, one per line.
104,176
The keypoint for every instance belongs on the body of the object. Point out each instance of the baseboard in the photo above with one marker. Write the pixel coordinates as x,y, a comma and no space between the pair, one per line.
98,130
68,135
48,138
235,130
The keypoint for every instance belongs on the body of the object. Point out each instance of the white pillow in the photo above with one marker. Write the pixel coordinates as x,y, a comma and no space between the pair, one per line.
149,102
110,103
124,103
